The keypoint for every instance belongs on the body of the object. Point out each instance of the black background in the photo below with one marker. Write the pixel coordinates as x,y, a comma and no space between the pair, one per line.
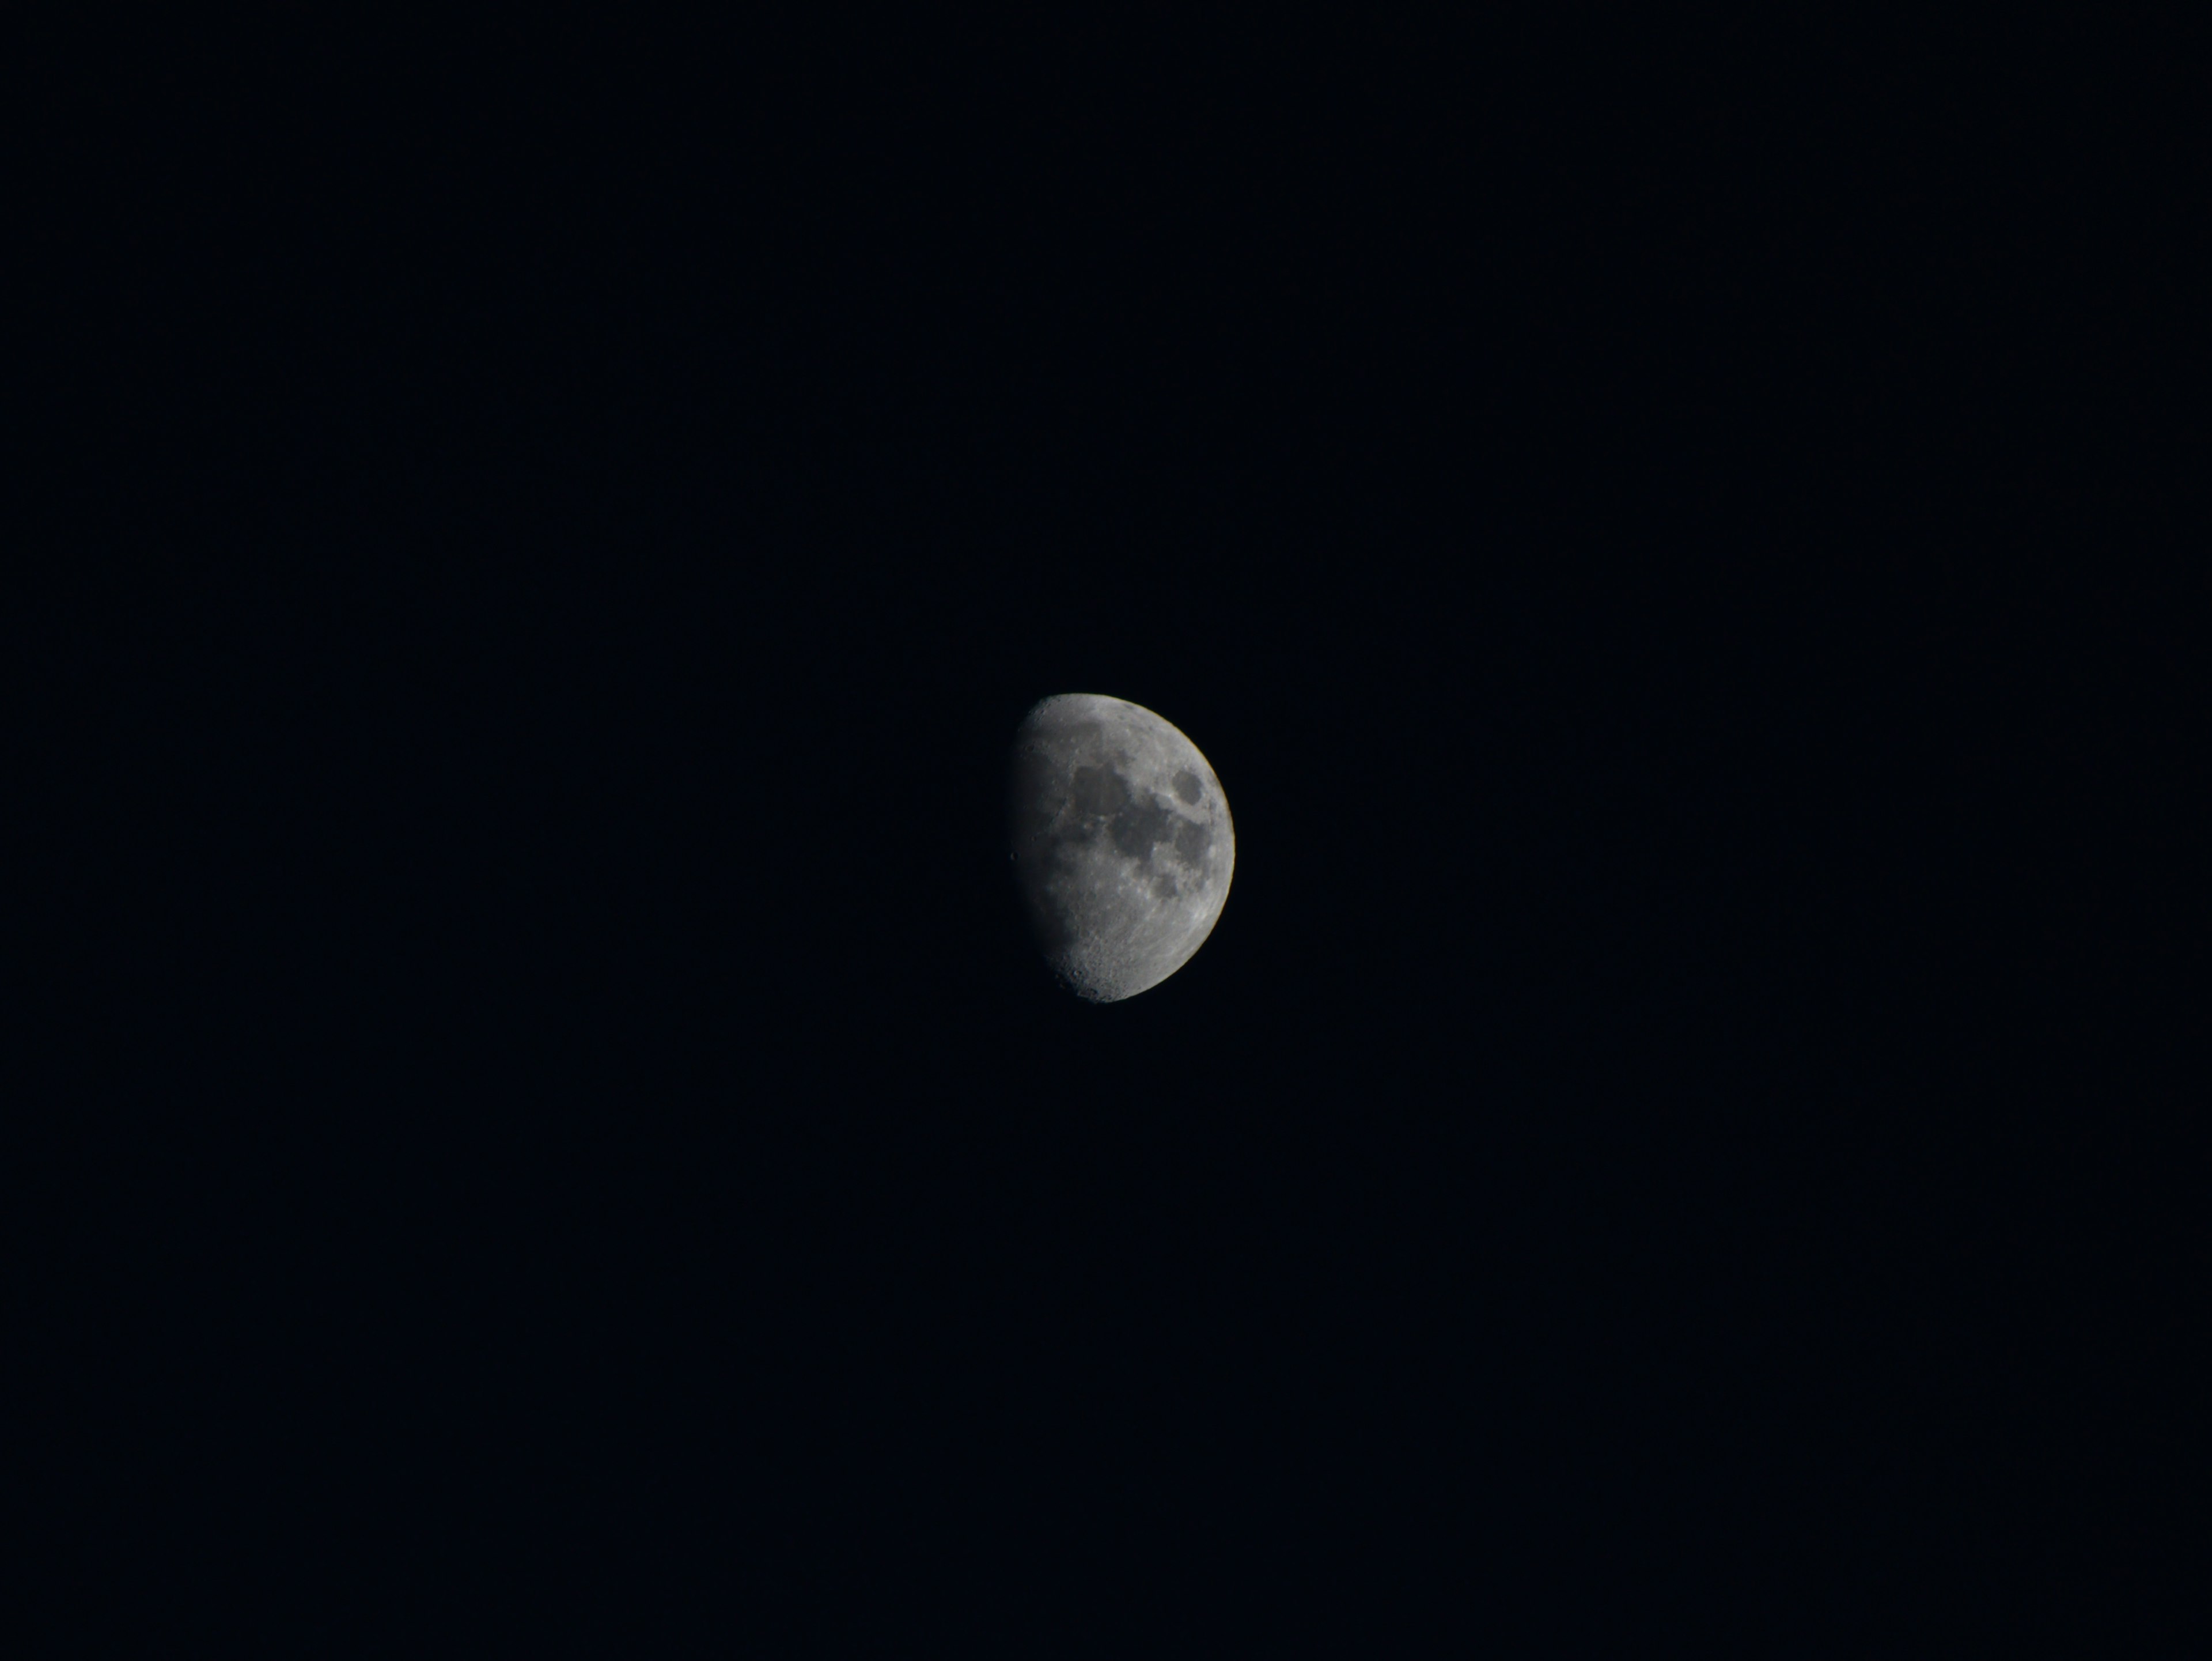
1669,1146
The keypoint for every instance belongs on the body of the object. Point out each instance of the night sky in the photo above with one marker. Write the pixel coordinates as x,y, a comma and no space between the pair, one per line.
1670,1147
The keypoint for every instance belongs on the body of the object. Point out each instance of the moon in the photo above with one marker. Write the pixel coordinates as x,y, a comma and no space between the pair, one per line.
1121,840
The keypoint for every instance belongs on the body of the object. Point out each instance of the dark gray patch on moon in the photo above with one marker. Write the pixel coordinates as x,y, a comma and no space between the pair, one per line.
1096,792
1141,826
1122,853
1191,840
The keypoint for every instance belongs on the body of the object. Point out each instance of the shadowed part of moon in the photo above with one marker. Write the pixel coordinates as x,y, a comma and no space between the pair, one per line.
1121,842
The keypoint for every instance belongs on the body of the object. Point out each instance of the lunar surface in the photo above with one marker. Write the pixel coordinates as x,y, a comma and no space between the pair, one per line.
1121,842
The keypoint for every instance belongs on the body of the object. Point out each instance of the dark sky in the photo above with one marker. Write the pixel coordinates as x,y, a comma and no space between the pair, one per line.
1663,1151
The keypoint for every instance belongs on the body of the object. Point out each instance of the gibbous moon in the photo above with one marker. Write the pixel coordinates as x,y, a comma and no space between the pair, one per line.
1121,842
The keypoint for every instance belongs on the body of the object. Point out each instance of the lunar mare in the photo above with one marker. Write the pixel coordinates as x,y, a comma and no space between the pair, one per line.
1121,842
